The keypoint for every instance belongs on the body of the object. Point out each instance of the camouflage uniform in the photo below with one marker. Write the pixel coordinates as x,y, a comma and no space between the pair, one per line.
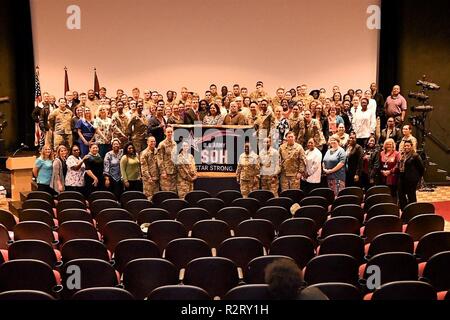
270,169
120,125
306,99
255,95
187,171
150,172
293,161
247,173
297,125
60,123
137,130
166,156
315,132
263,125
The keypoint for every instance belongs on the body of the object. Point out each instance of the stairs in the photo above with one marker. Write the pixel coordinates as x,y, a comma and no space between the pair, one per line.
435,175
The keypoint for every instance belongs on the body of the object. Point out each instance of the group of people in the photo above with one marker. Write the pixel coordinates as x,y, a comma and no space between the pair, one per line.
126,143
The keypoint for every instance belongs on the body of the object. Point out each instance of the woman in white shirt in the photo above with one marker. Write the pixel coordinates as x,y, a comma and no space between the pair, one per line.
364,123
313,172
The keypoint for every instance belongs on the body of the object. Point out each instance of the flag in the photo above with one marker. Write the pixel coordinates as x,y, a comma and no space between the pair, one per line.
37,100
66,81
96,83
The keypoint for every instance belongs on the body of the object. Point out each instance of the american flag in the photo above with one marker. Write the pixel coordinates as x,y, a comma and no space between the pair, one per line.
37,100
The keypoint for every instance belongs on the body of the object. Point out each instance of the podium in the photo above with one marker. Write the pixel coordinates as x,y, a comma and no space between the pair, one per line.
21,173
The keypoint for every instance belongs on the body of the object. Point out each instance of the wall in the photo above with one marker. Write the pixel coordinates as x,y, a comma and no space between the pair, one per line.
165,45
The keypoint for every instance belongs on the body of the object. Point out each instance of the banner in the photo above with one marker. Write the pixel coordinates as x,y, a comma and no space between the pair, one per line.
216,149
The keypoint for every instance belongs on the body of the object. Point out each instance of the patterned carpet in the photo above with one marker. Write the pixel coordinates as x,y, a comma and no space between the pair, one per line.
441,198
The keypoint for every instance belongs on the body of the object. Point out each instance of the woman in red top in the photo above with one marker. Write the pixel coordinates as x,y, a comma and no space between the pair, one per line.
389,160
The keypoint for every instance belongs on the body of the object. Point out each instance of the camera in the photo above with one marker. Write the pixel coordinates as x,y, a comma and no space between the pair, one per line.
418,95
428,85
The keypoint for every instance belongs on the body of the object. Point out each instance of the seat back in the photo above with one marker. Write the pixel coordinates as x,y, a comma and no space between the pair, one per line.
405,290
37,215
116,231
32,249
177,292
173,206
71,195
391,242
251,204
98,205
344,243
261,195
130,249
381,224
298,226
413,209
240,250
249,292
103,294
160,196
317,213
315,201
164,231
212,205
299,248
327,193
394,266
432,243
7,219
34,230
76,230
212,231
189,216
254,272
84,249
423,224
296,195
227,196
352,191
349,210
261,229
131,195
152,214
332,268
382,209
196,195
274,214
182,251
112,214
340,225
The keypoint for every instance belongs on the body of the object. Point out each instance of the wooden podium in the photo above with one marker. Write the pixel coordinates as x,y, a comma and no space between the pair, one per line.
21,173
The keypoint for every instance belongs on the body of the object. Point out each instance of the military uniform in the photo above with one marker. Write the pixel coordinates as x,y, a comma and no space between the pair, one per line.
60,123
293,162
93,106
297,125
234,119
276,101
313,130
247,173
270,169
255,95
120,126
251,119
137,130
150,172
187,172
263,125
306,99
166,156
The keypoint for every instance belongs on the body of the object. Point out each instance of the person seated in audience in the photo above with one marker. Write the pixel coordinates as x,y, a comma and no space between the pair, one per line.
93,178
389,160
75,170
214,117
334,166
285,281
248,171
43,170
313,172
354,162
234,117
59,169
370,165
187,171
407,136
411,172
293,163
130,169
270,167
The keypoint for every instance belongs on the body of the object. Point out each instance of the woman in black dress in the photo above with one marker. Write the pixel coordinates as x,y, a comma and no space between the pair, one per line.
371,164
411,171
94,180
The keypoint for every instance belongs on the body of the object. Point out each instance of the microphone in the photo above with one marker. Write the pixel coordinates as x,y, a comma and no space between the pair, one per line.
22,147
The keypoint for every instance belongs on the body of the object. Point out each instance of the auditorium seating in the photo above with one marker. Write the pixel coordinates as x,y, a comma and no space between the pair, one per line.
230,234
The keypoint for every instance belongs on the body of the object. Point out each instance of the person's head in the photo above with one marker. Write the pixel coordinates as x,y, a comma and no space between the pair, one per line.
102,92
341,128
214,109
203,105
91,94
352,138
119,93
267,143
75,95
124,99
334,143
300,105
389,145
151,142
119,106
263,105
102,112
396,90
75,151
296,110
337,96
45,97
83,98
247,147
406,130
87,113
213,89
288,95
259,86
311,144
46,152
364,104
195,103
351,92
336,89
247,101
315,94
115,144
346,105
293,92
169,133
359,93
69,96
333,111
168,111
368,94
129,149
279,112
93,149
408,146
208,95
285,104
233,107
253,107
136,93
244,92
236,90
391,122
185,147
280,93
284,279
169,95
79,112
132,105
147,94
181,108
290,137
355,101
62,103
140,108
307,115
303,89
224,91
373,87
371,142
159,111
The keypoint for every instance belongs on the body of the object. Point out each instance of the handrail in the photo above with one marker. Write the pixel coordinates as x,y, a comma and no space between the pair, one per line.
439,143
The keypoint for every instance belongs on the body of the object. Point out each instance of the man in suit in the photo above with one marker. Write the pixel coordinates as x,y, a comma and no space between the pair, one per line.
193,114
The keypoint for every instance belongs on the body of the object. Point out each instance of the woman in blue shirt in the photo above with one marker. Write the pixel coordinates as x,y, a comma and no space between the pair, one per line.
43,168
86,131
333,166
